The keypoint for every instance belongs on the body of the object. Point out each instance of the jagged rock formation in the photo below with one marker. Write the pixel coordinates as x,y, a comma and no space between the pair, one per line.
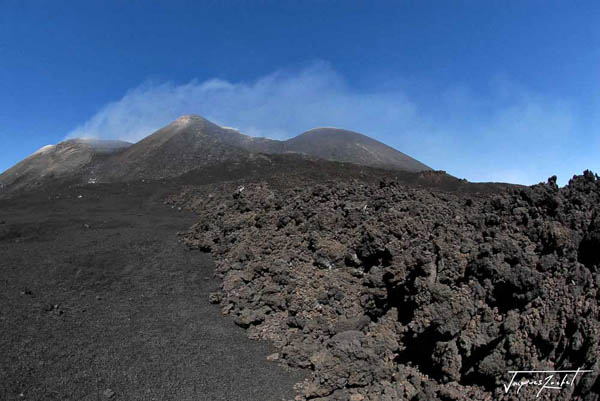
389,292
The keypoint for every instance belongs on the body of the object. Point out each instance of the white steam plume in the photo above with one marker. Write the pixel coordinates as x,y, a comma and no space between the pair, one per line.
510,134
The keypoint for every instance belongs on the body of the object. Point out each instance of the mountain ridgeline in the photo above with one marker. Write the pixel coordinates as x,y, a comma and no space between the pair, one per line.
65,160
192,142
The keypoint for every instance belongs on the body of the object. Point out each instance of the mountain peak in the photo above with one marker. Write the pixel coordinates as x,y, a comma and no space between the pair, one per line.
96,144
66,159
191,142
333,131
317,130
44,149
343,145
188,119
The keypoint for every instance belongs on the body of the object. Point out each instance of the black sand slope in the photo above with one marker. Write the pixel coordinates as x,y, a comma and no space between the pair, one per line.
99,300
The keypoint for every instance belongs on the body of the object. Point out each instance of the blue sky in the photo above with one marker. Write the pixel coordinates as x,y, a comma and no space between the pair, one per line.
486,90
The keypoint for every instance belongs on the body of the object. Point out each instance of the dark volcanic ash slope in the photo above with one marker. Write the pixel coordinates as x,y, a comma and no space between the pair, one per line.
389,292
64,160
339,145
348,146
191,142
99,300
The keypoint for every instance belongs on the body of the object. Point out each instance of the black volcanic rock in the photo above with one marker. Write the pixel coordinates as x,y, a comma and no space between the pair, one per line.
386,284
393,292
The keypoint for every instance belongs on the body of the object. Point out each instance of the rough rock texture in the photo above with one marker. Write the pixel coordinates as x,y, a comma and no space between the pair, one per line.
389,292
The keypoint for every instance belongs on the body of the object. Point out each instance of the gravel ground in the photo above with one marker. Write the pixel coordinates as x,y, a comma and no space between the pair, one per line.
100,300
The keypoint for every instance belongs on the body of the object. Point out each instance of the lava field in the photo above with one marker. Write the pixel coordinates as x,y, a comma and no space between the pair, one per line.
387,291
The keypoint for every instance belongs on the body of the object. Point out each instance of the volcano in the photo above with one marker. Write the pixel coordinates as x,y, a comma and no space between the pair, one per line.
192,141
188,143
70,158
380,279
347,146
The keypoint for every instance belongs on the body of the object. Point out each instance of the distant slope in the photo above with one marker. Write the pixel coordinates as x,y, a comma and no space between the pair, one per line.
66,159
348,146
188,143
192,142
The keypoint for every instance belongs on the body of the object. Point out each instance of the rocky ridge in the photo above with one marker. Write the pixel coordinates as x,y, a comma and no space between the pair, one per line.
392,292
